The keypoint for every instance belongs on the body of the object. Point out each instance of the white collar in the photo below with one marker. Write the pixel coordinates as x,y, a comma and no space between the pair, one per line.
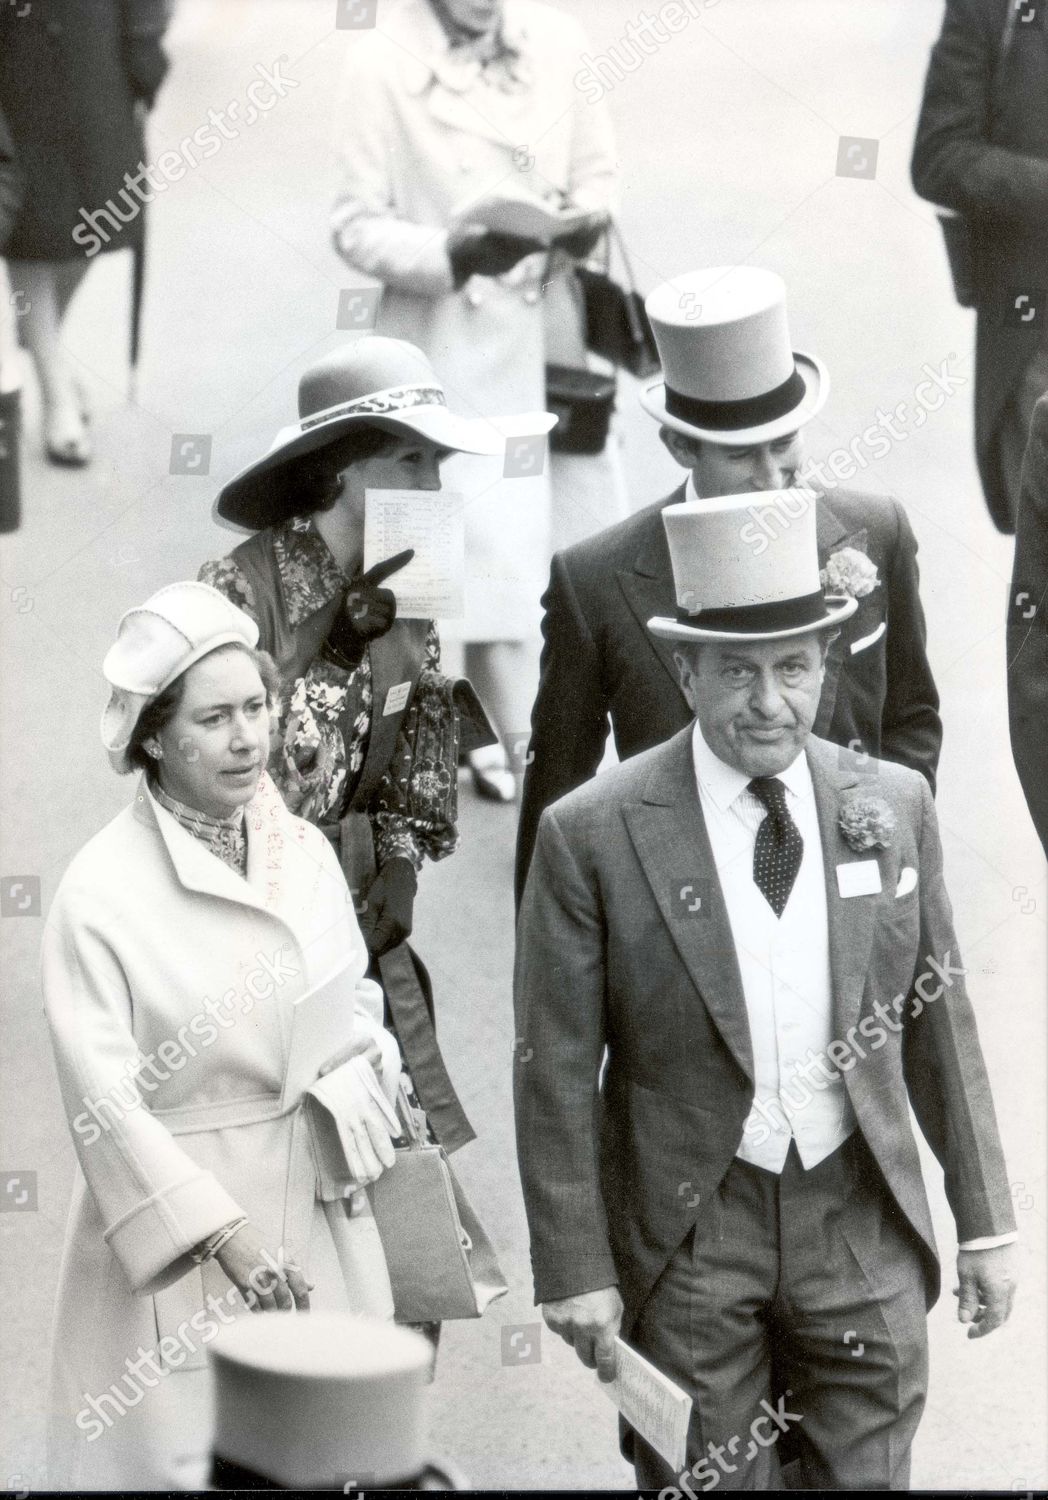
723,783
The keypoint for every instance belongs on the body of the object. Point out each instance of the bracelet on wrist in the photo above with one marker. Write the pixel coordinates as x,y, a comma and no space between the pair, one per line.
209,1248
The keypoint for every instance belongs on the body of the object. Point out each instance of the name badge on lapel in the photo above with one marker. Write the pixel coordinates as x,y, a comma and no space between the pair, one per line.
861,878
396,698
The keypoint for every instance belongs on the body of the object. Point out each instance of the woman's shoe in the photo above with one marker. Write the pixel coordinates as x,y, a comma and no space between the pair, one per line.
66,443
493,780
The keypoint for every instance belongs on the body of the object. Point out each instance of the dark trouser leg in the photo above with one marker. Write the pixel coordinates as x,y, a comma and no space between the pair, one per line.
751,1316
850,1323
1014,430
705,1325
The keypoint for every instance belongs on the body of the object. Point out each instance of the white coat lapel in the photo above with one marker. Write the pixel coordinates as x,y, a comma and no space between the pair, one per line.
195,866
454,93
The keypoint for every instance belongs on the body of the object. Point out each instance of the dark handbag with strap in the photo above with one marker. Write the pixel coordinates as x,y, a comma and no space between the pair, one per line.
582,401
617,326
959,231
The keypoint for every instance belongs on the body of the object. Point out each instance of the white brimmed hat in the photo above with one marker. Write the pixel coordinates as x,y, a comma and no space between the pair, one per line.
372,381
316,1400
729,374
735,583
155,643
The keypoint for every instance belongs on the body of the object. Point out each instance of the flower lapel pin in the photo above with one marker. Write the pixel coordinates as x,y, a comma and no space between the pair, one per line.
866,823
849,572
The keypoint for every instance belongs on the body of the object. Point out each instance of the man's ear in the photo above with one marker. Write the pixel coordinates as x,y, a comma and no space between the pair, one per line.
686,673
683,450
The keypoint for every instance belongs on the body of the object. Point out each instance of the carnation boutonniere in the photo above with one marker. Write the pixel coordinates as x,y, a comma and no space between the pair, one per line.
867,823
849,572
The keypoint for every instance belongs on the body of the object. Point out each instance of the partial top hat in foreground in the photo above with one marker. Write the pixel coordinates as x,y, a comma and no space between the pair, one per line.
733,583
320,1401
373,381
729,374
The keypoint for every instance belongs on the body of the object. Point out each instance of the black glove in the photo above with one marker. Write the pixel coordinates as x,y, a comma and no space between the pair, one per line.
386,919
586,237
367,612
146,63
476,251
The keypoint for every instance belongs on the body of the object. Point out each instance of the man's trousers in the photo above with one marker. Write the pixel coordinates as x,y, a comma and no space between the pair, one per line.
794,1313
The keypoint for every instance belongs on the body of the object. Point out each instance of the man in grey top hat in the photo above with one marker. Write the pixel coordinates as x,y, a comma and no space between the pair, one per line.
731,407
736,974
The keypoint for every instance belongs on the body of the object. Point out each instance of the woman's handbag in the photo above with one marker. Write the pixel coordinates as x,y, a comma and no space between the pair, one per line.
958,231
617,326
582,401
441,1263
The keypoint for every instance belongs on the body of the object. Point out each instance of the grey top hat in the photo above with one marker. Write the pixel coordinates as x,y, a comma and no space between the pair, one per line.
733,584
729,374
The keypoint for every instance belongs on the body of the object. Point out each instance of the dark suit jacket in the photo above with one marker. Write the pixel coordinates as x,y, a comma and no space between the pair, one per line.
599,657
616,1170
982,149
1028,628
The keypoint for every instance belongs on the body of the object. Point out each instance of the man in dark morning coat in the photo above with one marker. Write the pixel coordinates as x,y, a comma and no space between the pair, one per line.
1028,628
982,150
730,409
736,972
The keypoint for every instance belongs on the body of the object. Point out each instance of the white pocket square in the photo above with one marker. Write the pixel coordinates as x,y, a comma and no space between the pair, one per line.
868,640
907,881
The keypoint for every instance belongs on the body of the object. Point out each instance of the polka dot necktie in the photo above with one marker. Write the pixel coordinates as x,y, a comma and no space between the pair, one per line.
779,847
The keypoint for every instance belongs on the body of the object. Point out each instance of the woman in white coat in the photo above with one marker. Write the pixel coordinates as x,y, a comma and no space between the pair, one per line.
446,103
202,968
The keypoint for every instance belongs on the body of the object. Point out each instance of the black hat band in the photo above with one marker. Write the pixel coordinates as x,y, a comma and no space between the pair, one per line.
723,416
757,619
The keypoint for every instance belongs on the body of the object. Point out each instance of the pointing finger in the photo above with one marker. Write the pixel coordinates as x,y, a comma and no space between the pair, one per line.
390,565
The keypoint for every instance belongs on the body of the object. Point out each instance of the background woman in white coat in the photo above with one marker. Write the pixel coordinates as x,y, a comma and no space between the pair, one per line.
202,967
446,103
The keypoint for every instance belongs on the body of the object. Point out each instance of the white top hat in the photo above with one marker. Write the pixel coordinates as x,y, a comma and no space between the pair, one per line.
729,374
155,643
735,583
313,1400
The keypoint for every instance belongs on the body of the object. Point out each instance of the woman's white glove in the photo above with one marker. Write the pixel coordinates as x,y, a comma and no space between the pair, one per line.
368,1122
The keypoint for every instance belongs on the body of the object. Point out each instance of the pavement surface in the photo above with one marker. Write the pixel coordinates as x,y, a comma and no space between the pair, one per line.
732,133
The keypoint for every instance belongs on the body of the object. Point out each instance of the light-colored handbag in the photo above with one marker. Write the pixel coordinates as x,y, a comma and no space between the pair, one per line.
441,1263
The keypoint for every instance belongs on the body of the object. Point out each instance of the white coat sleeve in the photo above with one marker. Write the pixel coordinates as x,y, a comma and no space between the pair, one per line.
367,230
155,1202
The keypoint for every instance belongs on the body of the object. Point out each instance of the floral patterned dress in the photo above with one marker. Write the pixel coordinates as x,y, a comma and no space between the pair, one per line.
320,735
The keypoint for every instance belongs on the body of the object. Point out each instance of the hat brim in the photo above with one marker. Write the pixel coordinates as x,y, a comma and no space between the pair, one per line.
257,497
816,389
838,609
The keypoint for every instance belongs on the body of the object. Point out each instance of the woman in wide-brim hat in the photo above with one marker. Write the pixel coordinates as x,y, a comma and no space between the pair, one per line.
370,730
202,967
